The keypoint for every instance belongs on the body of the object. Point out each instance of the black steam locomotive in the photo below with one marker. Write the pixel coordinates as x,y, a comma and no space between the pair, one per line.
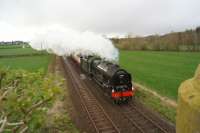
115,81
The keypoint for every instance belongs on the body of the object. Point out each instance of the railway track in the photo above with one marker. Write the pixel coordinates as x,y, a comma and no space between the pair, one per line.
141,122
97,115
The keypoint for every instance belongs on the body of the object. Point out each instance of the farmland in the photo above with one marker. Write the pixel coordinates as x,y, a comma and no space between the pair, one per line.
32,60
19,51
31,63
160,71
3,46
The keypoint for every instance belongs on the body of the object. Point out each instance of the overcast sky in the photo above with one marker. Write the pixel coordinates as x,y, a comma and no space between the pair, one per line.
20,18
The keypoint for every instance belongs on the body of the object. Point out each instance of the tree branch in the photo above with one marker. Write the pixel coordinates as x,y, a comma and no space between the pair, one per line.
24,130
4,95
15,123
6,92
37,105
3,124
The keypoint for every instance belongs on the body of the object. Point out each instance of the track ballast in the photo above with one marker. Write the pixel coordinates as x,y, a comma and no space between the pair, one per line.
98,117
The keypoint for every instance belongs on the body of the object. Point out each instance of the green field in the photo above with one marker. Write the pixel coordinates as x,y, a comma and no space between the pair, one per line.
29,62
10,46
19,51
160,71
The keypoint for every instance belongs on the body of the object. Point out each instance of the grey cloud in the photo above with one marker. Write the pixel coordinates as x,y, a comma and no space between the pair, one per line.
140,17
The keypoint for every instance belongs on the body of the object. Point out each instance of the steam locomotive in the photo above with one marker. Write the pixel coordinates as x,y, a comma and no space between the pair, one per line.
116,82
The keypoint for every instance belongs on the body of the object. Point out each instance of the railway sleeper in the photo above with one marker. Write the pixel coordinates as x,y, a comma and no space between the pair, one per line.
137,118
144,124
110,131
103,124
92,103
96,113
99,120
154,131
106,129
97,116
94,110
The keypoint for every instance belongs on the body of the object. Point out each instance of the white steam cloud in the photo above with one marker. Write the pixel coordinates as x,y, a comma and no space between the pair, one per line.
66,41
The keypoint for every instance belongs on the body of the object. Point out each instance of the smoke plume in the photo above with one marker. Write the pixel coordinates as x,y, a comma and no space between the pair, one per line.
66,41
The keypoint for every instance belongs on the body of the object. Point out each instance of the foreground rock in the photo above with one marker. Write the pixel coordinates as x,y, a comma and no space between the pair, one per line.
188,112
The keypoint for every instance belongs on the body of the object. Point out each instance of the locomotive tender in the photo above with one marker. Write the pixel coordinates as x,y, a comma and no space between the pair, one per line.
116,82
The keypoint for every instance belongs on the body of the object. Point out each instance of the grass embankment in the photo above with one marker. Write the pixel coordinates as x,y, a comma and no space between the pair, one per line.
59,119
157,105
160,71
29,62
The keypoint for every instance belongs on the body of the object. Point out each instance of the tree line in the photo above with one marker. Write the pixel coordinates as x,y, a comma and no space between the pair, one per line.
13,43
188,40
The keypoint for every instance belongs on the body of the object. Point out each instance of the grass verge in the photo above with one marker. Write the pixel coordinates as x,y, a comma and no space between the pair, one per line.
58,119
157,105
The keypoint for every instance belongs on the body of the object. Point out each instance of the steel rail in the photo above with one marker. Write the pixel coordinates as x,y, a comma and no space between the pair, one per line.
137,117
97,115
149,119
